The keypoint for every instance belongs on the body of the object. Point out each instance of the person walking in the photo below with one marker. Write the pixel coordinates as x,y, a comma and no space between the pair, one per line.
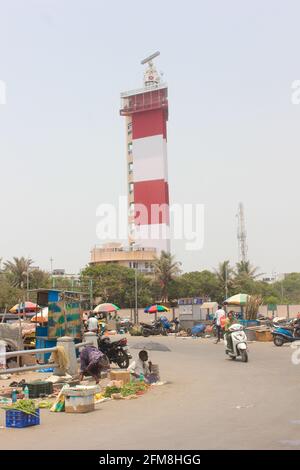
220,313
92,323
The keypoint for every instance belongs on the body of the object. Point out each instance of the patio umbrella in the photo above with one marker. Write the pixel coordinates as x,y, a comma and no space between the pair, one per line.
106,307
150,346
41,317
238,299
156,308
29,307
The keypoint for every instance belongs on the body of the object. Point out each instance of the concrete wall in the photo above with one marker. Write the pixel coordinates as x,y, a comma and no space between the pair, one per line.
290,311
147,318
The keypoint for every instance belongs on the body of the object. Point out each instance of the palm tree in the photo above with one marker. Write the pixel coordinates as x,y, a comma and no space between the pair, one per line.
165,270
246,270
17,270
245,277
224,275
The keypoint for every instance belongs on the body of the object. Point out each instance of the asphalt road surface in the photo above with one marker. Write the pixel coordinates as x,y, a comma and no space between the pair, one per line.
210,402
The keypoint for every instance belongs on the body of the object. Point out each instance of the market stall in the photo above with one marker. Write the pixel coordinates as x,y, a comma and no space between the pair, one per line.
63,318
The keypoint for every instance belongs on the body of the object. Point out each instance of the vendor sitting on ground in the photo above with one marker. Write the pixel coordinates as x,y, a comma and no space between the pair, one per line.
92,363
142,368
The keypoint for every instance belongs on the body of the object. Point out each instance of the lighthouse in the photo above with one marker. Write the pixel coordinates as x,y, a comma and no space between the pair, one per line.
146,115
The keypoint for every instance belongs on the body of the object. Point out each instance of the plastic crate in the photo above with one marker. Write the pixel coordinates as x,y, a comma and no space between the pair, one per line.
246,323
38,388
18,419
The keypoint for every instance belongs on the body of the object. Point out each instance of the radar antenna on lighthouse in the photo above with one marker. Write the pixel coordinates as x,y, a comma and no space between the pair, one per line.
151,76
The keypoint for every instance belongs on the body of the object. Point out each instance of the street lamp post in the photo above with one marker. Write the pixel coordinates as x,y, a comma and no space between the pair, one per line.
91,293
27,293
226,282
26,273
53,280
136,314
136,295
282,291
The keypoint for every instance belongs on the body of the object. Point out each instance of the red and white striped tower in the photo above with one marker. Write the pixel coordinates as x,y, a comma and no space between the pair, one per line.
146,112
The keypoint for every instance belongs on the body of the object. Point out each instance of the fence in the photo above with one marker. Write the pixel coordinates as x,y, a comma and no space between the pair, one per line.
289,311
69,348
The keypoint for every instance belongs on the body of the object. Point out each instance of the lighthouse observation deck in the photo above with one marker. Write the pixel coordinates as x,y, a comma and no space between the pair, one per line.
144,99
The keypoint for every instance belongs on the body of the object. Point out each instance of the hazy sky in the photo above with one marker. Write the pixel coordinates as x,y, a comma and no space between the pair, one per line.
233,133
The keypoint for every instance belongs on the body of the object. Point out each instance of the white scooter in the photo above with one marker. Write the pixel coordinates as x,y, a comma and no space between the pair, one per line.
239,343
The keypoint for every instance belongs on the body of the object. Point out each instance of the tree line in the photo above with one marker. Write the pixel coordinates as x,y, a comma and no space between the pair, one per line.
115,283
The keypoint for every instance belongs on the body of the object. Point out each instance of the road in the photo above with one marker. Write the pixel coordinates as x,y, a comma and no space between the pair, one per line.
210,402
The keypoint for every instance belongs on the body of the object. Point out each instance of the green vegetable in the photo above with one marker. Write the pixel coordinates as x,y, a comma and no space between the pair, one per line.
132,388
110,390
45,404
126,390
27,406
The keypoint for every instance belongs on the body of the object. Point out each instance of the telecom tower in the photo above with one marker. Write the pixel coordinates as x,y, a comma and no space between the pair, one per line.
242,234
146,112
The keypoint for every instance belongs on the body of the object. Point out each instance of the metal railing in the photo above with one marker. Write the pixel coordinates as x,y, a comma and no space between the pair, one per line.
25,352
139,91
6,355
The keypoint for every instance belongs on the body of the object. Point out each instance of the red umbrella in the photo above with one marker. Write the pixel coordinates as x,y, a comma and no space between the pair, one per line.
29,307
106,307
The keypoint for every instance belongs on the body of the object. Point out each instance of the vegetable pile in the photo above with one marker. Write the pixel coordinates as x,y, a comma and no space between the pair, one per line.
132,389
110,390
45,404
126,390
27,406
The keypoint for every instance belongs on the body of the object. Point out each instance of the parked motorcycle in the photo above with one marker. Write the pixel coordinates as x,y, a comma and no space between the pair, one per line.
116,351
174,327
238,346
155,328
286,334
124,325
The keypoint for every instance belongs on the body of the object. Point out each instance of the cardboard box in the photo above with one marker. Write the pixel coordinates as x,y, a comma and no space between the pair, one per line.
29,360
116,383
264,336
123,375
